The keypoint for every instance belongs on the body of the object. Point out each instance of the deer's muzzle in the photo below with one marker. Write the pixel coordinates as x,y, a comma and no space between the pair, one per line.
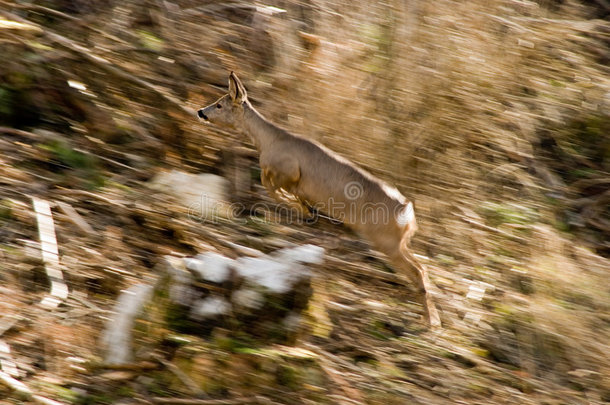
202,115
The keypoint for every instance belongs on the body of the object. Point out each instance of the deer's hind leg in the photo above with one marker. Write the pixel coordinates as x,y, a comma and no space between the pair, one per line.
408,265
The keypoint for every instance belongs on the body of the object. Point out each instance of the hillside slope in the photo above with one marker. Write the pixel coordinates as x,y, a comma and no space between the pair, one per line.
492,116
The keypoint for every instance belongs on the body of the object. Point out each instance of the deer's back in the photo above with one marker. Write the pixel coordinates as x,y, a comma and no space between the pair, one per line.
342,190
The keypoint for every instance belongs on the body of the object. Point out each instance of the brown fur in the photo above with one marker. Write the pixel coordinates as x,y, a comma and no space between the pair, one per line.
305,174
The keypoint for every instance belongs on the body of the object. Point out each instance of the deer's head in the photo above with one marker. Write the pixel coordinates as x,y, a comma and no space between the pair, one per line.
228,110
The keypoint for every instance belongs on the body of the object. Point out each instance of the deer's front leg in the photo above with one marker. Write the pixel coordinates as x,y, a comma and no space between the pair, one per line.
272,189
280,186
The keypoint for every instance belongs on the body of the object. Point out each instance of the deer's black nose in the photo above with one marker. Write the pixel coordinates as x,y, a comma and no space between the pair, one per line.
202,115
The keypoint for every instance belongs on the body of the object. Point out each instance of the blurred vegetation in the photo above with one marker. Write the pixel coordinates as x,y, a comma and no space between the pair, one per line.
492,116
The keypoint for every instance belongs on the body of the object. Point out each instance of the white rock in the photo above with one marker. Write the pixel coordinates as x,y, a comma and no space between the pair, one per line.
204,195
210,266
248,298
292,321
180,290
277,276
117,336
210,307
310,254
182,294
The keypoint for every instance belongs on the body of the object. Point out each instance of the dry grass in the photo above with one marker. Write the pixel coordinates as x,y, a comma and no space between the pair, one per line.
493,116
453,102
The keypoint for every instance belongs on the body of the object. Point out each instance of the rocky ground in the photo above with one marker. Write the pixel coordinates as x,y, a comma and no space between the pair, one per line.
491,116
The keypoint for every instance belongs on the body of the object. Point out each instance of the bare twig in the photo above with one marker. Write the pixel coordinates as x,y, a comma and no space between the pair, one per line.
105,159
75,217
98,197
519,28
88,304
489,228
19,132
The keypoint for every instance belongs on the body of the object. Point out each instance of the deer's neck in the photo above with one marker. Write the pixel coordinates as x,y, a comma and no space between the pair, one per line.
262,132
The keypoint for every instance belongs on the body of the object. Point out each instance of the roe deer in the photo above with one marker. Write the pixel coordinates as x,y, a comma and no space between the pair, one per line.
307,175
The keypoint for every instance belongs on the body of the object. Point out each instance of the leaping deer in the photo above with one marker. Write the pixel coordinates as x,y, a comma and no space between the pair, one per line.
306,175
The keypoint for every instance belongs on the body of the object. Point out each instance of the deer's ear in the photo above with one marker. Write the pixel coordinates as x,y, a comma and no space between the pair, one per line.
237,91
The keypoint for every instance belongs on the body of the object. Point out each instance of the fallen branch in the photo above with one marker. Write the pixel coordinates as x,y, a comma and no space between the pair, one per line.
50,254
24,391
6,360
15,384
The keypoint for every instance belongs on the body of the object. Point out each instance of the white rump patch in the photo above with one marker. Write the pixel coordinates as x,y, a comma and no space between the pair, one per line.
407,215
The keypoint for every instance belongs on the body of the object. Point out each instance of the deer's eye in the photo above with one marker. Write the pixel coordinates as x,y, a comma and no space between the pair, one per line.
218,106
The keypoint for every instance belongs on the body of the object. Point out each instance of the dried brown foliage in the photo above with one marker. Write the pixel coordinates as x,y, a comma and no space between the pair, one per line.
493,116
